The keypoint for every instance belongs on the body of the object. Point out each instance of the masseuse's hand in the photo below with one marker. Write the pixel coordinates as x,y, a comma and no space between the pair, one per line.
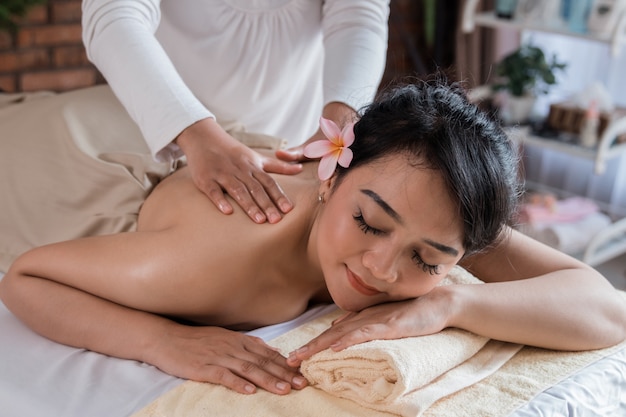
225,357
339,113
418,317
219,163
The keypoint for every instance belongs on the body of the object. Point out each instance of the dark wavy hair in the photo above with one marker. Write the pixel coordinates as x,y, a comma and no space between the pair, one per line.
435,126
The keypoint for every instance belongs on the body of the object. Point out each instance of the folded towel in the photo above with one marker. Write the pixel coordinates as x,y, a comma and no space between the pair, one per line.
562,211
571,237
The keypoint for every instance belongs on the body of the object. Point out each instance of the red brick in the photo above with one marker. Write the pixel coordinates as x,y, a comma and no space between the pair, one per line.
36,15
8,83
69,56
52,35
9,61
6,40
24,60
66,12
63,80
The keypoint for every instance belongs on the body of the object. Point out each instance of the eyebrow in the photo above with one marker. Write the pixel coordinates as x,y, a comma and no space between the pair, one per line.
394,215
441,247
383,204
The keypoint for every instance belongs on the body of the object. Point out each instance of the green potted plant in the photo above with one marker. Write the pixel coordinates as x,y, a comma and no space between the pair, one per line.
525,74
11,10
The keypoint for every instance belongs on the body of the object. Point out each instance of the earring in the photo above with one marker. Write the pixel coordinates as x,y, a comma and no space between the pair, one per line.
320,198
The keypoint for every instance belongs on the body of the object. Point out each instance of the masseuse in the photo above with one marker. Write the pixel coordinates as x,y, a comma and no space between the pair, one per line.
422,182
189,73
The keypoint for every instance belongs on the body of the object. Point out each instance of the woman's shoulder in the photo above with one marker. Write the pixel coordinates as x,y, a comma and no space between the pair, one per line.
177,201
159,210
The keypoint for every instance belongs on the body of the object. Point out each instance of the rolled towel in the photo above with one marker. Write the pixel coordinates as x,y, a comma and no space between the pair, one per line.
382,371
405,376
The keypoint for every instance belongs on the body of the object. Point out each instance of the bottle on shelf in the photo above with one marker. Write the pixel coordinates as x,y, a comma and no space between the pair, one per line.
578,14
589,131
505,9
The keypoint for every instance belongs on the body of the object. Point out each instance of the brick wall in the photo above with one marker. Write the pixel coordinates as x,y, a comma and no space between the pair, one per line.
47,51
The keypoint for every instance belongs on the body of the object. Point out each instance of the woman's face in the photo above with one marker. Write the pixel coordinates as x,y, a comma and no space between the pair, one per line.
389,231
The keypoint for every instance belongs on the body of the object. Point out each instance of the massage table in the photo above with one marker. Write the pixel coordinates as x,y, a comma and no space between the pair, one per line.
39,377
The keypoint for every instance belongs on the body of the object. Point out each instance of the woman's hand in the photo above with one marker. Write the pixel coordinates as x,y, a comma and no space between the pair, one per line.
421,316
219,163
224,357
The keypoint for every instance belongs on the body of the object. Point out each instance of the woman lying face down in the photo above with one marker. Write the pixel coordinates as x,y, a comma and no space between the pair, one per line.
432,183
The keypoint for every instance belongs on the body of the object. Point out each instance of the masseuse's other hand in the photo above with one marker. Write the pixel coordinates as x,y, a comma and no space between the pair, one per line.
296,154
418,317
219,163
235,360
339,113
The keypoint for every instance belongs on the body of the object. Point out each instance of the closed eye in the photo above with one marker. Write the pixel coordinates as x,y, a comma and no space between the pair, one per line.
366,228
431,269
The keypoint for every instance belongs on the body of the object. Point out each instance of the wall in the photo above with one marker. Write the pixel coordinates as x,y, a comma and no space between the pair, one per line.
47,52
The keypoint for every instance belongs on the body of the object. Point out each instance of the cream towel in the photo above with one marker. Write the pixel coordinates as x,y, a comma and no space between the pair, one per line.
382,371
405,377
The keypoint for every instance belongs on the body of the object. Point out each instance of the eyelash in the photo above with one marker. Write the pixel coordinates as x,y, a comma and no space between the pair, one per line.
366,228
431,269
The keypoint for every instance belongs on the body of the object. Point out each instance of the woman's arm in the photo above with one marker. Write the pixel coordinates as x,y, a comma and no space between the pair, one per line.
63,292
533,295
539,296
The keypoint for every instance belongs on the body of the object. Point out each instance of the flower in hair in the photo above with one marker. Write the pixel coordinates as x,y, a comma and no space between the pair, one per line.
335,149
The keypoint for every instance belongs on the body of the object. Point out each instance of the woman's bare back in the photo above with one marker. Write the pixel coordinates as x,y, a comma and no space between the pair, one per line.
226,270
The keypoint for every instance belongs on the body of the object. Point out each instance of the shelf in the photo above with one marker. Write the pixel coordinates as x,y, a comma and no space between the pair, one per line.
489,19
605,150
611,241
471,19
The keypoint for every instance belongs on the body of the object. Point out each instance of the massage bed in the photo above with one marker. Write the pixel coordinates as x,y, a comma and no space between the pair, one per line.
486,378
41,378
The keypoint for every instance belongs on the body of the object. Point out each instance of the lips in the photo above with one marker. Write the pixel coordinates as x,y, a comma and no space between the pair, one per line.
359,285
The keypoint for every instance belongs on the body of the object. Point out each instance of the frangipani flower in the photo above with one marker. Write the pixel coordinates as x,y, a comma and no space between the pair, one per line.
336,149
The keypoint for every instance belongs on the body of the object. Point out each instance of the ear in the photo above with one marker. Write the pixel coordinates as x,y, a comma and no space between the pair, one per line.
326,186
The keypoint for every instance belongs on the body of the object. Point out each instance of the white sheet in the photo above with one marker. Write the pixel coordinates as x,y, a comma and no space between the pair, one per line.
42,378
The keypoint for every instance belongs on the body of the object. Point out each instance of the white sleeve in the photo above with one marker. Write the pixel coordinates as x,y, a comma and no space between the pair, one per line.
119,39
355,44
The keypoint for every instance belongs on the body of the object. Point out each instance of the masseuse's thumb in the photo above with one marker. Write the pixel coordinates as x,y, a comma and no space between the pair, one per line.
295,154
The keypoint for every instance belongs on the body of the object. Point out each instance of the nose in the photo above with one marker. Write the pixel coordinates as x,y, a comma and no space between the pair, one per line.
382,263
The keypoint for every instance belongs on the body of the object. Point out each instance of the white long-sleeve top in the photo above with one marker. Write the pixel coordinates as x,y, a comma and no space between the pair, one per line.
268,65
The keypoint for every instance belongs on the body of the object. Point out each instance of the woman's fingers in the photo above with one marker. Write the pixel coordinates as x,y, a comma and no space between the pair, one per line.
385,321
339,336
270,361
254,365
225,357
